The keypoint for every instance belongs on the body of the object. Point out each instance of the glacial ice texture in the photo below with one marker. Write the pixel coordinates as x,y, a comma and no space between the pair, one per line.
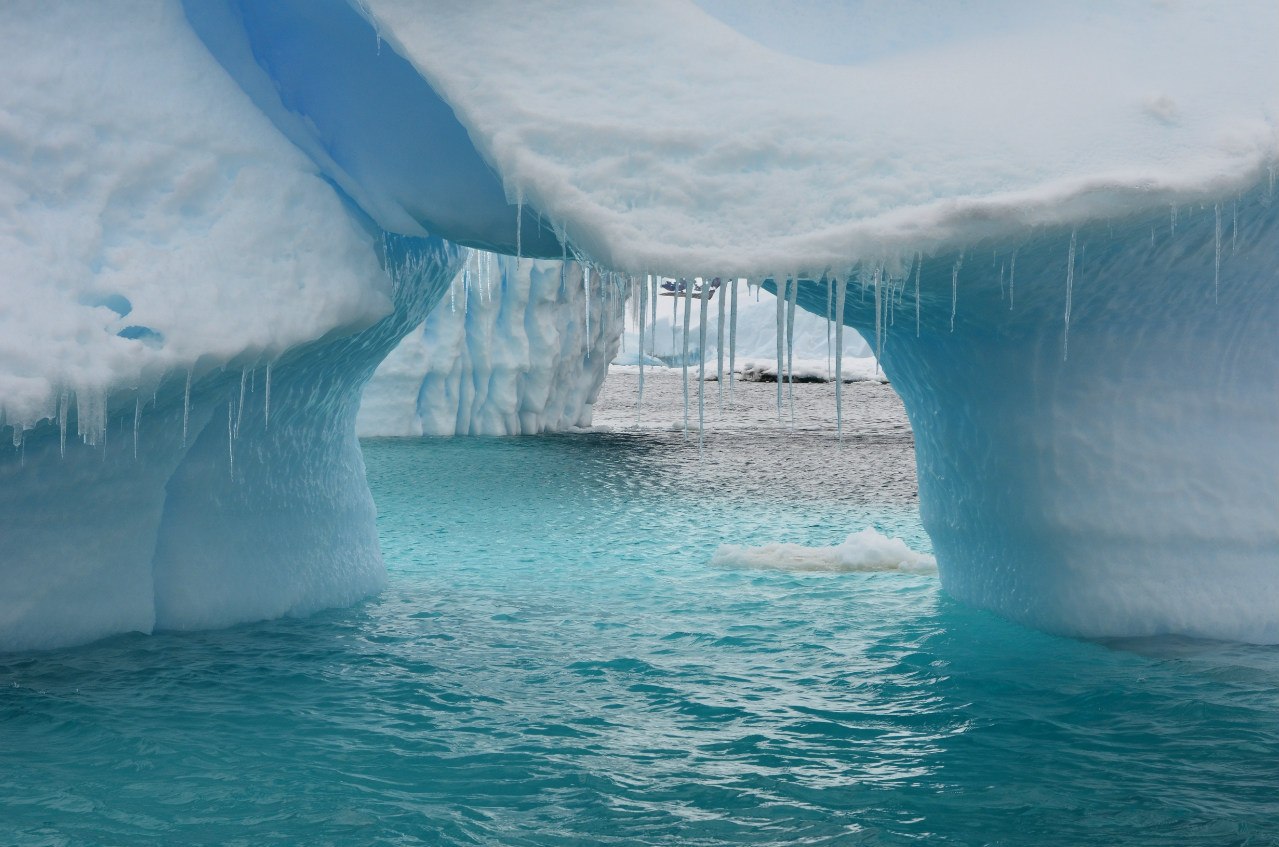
241,500
1125,484
507,352
188,310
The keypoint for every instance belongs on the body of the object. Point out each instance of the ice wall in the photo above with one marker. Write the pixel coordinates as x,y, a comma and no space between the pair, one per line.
188,310
1094,410
516,348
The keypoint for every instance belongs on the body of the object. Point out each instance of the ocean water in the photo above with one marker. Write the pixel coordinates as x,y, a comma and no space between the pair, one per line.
556,662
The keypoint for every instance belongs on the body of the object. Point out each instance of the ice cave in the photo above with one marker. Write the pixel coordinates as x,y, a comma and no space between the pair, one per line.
219,217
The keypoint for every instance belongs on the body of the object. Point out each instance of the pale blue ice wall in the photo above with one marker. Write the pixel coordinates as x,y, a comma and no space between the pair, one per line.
245,501
1130,487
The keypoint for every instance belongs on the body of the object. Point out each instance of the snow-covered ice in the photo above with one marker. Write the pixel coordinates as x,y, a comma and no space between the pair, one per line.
1053,223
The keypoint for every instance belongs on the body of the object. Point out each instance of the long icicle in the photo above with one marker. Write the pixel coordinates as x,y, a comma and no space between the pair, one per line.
919,267
701,363
1216,262
688,313
954,290
266,399
792,294
732,343
137,424
239,409
781,323
652,296
643,307
1070,285
186,402
586,287
675,310
830,304
841,291
719,345
1012,281
879,322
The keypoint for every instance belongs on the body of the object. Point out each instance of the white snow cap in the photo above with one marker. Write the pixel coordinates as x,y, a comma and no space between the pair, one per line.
663,139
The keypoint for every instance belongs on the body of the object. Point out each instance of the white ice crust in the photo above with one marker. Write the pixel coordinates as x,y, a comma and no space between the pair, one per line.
662,139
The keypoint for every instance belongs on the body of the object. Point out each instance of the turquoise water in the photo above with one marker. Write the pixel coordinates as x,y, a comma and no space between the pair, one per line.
554,662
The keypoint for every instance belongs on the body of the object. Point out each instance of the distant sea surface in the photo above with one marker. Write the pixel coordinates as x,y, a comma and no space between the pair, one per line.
555,661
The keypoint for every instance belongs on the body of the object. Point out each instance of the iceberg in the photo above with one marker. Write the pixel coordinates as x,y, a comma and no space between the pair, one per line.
218,217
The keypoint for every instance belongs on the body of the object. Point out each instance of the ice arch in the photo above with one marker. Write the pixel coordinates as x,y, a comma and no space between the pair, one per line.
159,228
1095,175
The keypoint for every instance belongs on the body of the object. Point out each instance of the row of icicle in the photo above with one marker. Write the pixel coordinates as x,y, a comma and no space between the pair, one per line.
479,272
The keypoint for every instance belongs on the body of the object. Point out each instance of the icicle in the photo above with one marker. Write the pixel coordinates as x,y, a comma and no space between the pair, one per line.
719,345
1172,227
841,291
64,410
688,312
1234,229
586,287
266,400
732,342
781,323
879,323
919,267
792,295
186,402
643,305
1001,281
230,435
1070,285
679,283
1012,280
239,410
954,290
830,305
888,304
652,296
1216,262
701,362
137,424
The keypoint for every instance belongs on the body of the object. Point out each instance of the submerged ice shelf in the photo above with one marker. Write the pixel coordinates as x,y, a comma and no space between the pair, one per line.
1064,259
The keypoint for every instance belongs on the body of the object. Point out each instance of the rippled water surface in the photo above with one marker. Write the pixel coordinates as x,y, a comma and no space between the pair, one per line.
555,662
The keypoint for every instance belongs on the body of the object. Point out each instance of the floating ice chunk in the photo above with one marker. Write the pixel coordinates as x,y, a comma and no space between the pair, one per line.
867,550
